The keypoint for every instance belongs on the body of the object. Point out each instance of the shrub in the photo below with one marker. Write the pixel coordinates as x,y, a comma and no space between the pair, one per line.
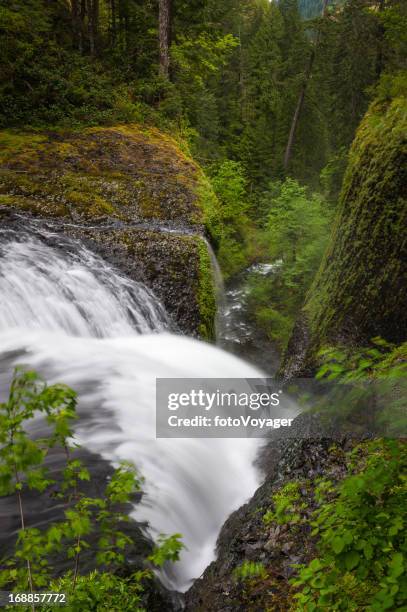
362,537
296,233
22,468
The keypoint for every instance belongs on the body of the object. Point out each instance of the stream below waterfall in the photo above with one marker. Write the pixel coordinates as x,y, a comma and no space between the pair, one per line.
238,332
75,319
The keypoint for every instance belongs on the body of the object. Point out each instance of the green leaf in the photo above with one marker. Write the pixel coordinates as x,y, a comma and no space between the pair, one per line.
315,565
338,544
368,550
396,565
352,559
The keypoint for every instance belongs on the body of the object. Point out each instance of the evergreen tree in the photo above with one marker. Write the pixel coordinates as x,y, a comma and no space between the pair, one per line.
164,31
262,107
350,56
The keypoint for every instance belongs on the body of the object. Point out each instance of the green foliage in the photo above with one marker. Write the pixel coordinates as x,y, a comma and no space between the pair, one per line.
287,505
198,58
296,234
370,385
102,592
168,549
21,457
394,22
46,80
98,592
249,570
362,542
229,183
347,63
262,140
22,468
297,230
349,365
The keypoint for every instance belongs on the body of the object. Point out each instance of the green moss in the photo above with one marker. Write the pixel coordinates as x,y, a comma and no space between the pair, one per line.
206,294
32,205
6,200
125,172
357,293
209,209
91,196
287,504
150,208
13,142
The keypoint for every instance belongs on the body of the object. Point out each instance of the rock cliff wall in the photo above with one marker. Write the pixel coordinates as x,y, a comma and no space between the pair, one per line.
358,292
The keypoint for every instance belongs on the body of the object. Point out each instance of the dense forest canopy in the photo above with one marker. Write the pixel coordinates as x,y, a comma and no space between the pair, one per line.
232,81
261,91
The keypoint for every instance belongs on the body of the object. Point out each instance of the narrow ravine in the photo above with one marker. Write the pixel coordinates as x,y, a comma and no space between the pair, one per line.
238,333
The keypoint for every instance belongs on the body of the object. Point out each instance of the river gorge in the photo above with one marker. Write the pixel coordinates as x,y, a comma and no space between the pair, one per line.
109,279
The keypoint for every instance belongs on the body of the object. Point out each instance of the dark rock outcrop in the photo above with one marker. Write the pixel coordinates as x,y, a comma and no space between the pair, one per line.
246,537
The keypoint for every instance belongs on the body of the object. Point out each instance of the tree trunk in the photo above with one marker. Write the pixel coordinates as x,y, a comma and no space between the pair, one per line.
113,20
301,97
75,23
81,23
93,13
123,24
164,36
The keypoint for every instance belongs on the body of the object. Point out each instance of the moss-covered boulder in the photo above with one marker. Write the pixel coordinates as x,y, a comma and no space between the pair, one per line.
133,195
359,291
125,173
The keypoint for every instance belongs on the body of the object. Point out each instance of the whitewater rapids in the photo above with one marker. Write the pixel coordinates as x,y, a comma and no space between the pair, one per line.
75,319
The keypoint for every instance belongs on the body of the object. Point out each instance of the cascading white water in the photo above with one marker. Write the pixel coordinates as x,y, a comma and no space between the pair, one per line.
73,291
76,320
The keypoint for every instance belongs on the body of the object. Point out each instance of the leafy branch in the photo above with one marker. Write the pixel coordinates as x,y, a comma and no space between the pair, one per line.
22,468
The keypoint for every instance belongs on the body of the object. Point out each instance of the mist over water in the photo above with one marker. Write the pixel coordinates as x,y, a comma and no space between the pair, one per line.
66,313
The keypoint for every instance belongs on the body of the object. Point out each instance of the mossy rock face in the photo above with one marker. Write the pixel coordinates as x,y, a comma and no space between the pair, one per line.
125,173
121,187
358,292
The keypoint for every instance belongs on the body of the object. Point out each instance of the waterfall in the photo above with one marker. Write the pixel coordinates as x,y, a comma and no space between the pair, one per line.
77,320
220,323
72,291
